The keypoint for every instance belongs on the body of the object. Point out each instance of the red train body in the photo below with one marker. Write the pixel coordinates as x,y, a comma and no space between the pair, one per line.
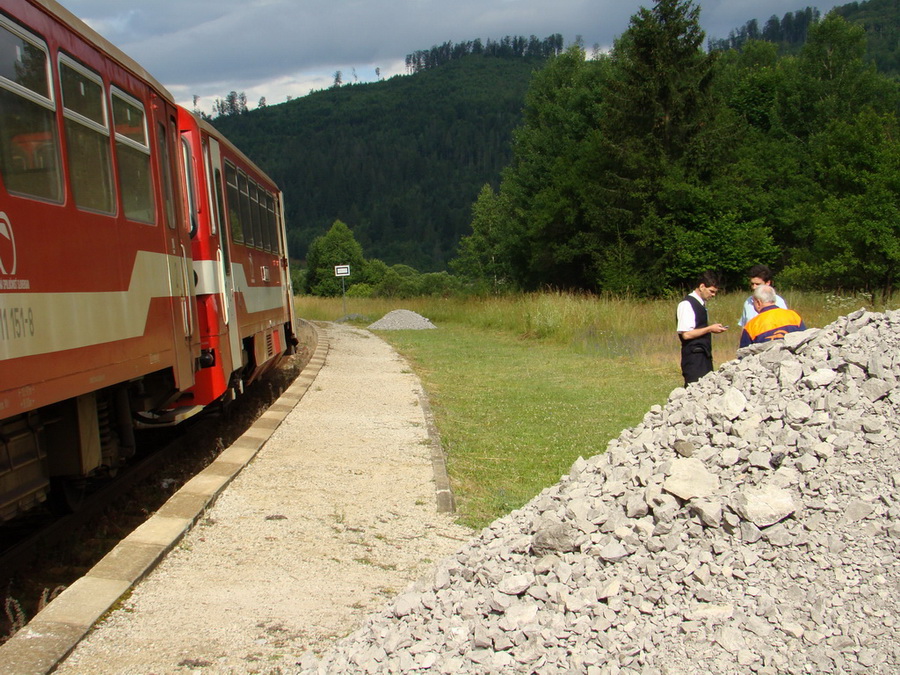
143,272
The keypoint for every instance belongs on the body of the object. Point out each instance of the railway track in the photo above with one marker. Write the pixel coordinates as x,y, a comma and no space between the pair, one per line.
22,539
49,552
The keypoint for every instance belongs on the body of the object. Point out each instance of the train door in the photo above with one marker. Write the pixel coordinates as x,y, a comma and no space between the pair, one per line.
178,249
223,256
281,247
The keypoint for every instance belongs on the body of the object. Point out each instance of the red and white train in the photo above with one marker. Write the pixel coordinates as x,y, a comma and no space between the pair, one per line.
143,265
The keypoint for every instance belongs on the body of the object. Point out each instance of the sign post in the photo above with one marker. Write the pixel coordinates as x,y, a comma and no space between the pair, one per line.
342,271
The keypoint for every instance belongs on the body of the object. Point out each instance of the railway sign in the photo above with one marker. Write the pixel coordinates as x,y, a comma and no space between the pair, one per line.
342,270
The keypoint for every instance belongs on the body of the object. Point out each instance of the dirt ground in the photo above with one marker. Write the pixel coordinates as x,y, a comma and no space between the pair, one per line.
335,515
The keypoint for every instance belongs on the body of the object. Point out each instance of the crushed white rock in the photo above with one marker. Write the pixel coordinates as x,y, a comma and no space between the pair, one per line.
402,319
749,526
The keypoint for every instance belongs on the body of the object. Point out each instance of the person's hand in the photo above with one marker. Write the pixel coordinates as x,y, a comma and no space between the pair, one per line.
717,328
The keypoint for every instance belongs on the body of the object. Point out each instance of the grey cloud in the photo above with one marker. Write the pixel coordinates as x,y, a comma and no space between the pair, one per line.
187,43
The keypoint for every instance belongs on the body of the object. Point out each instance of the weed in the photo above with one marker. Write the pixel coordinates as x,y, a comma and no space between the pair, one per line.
195,663
14,615
47,595
366,560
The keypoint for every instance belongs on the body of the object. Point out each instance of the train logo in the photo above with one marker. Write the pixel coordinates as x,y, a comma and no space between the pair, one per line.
7,246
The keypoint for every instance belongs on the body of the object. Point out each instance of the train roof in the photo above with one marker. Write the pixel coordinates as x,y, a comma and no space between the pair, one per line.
93,37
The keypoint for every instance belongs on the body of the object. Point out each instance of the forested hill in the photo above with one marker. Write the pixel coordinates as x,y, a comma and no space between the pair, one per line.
400,161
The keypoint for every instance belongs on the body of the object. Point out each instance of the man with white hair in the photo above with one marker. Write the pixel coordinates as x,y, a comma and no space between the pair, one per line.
771,321
759,275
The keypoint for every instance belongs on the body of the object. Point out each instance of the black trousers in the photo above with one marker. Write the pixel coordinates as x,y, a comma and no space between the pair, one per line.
695,363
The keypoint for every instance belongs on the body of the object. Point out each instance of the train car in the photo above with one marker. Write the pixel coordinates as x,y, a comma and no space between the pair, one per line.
244,290
107,320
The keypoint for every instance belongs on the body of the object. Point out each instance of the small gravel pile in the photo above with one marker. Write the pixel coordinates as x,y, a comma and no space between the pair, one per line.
749,526
402,319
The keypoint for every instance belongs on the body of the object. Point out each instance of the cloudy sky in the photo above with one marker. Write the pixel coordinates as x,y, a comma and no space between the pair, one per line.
280,48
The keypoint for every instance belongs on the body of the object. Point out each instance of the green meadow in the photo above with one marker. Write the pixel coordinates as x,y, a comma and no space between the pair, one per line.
521,386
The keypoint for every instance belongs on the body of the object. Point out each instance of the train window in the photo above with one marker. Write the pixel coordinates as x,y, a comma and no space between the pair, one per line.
234,204
263,238
133,154
190,192
246,218
273,224
29,145
264,219
254,214
87,136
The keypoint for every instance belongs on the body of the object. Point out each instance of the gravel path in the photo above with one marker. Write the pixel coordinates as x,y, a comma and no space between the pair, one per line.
334,516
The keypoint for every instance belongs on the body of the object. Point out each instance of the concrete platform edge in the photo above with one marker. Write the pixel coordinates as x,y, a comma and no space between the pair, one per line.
443,493
57,629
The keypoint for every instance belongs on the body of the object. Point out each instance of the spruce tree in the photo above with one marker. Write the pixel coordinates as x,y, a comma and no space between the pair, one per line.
659,149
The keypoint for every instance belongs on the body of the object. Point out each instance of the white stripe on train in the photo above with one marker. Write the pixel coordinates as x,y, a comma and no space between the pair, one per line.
43,323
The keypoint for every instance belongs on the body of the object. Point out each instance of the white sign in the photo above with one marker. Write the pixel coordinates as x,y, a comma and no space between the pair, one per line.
342,270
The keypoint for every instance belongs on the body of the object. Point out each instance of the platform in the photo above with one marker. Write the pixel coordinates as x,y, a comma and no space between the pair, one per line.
331,503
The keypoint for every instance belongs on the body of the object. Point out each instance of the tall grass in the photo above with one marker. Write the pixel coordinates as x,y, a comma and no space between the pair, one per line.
611,324
605,325
523,385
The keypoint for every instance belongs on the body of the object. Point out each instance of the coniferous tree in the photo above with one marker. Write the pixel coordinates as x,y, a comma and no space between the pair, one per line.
658,151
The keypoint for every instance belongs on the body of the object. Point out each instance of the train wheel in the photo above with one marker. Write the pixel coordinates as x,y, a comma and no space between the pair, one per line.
67,494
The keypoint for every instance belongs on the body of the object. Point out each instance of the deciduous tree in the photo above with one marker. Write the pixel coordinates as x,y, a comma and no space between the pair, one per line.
336,247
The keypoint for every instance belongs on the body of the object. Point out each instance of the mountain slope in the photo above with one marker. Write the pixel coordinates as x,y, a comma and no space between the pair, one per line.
400,161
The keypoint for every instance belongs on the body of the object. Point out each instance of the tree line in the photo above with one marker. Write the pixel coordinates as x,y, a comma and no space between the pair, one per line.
508,47
638,169
878,18
789,32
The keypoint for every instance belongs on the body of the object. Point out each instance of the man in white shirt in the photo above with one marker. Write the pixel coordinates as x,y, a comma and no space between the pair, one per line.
759,275
694,330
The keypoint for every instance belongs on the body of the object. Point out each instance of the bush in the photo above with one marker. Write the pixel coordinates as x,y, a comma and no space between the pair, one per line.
361,291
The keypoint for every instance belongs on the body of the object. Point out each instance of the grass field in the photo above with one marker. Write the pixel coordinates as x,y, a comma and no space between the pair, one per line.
522,386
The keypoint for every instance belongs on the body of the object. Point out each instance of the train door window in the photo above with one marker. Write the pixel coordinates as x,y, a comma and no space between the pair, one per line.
246,218
172,145
29,146
190,192
279,224
254,214
167,176
133,155
220,204
214,213
234,204
87,136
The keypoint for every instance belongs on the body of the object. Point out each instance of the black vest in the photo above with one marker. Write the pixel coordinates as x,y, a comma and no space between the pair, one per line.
701,318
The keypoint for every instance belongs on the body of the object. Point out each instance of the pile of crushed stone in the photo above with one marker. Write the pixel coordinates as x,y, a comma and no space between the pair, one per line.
402,319
749,526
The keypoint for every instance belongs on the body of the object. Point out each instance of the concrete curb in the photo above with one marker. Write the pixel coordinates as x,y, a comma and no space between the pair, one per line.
443,493
56,630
